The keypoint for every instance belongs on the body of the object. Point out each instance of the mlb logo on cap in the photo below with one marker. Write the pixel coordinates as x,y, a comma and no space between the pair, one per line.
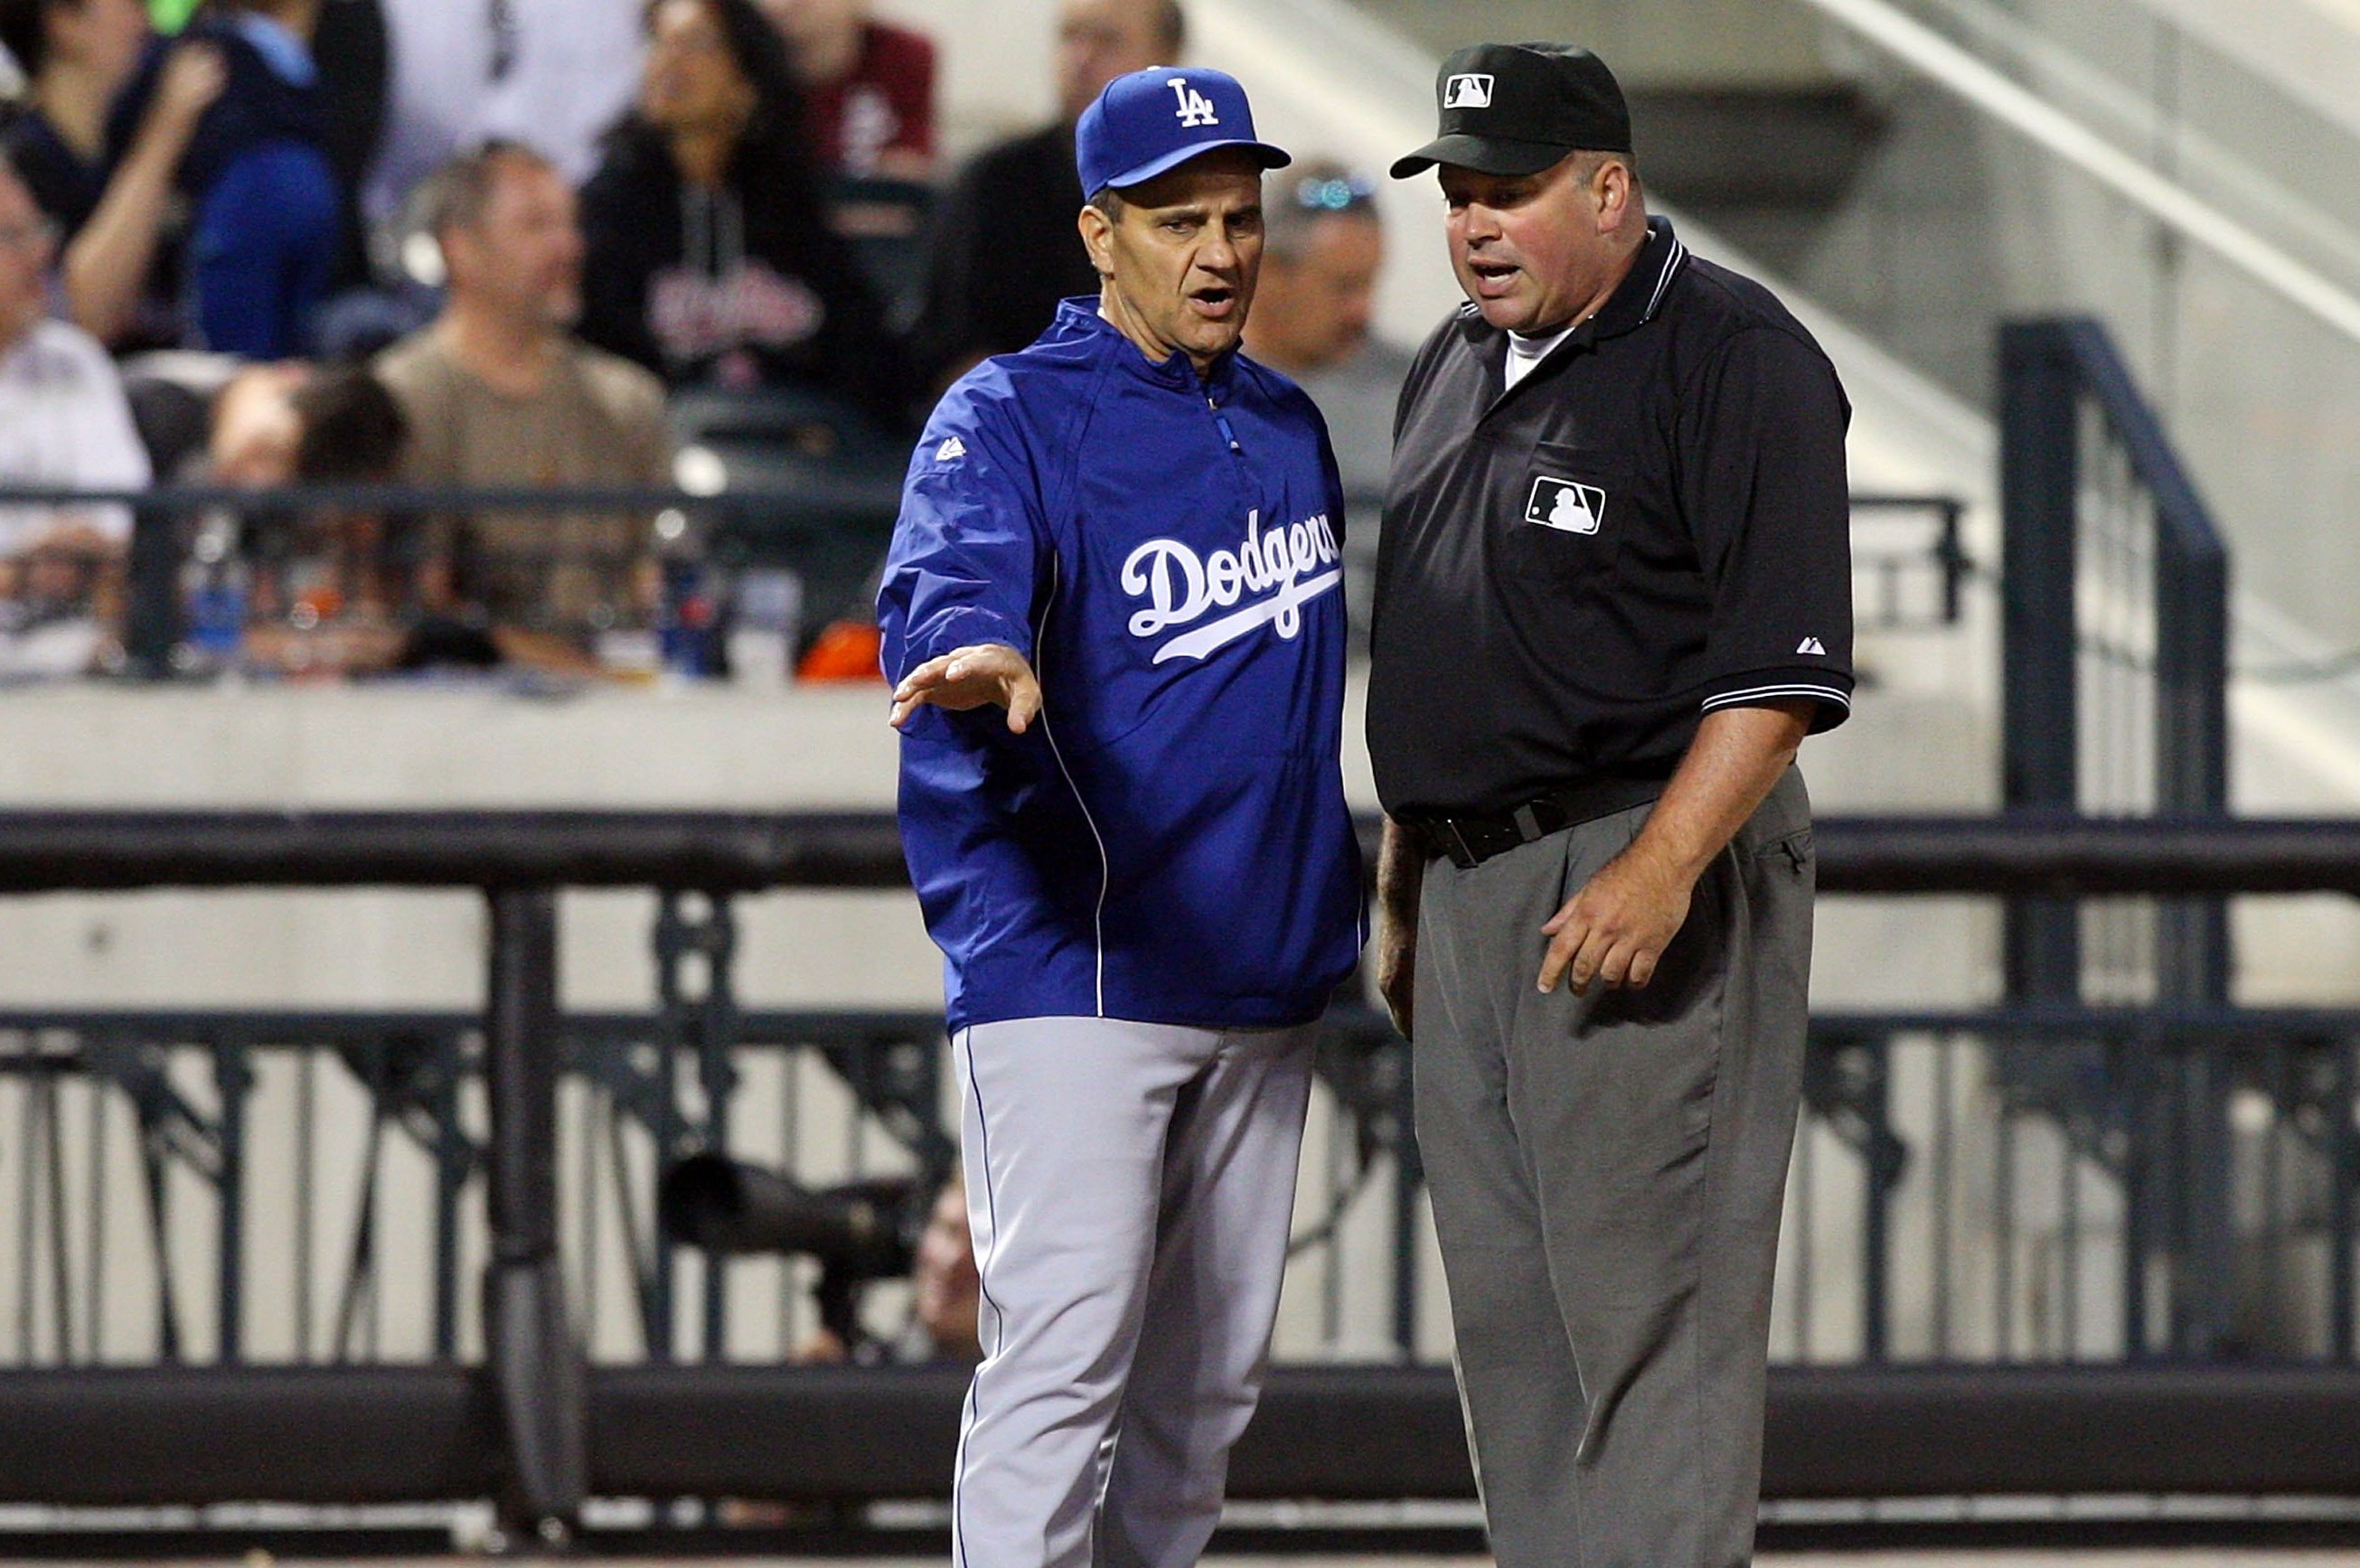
1155,120
1469,90
1515,109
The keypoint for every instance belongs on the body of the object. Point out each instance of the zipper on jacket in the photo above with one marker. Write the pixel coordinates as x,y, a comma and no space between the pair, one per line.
1223,420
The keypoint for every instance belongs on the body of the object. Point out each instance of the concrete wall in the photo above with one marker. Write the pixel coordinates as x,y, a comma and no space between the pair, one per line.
294,746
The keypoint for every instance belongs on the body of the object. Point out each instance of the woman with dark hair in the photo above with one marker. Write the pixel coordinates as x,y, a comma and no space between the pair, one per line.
710,260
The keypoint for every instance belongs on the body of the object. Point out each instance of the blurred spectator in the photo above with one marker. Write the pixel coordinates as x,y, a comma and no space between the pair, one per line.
353,52
321,592
265,211
64,425
1006,246
551,73
293,423
334,590
868,89
710,258
498,391
945,1293
1323,247
945,1290
122,226
172,393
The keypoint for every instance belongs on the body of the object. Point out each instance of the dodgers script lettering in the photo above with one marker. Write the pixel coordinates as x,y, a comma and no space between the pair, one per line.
1289,566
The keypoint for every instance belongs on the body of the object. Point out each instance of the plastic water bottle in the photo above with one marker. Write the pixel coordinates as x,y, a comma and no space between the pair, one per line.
769,606
689,638
214,597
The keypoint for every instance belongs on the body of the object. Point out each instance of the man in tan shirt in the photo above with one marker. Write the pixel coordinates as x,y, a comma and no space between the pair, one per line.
498,391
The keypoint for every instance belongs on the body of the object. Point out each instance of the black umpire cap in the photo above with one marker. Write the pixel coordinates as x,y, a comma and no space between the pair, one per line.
1515,109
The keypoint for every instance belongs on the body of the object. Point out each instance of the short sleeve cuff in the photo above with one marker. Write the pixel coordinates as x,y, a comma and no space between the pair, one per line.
1829,690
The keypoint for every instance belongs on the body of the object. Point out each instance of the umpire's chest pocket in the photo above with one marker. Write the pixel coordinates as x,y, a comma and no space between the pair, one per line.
1569,509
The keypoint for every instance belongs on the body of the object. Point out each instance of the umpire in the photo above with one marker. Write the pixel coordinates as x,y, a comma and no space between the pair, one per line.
1614,595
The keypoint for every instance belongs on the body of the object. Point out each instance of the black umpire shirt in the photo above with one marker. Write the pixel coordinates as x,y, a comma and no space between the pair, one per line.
1653,524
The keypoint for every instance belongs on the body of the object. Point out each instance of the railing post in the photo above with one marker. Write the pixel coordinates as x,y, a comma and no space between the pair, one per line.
1883,1172
2191,654
704,1017
536,1367
2040,470
1409,1180
151,620
451,1163
2343,1174
234,1078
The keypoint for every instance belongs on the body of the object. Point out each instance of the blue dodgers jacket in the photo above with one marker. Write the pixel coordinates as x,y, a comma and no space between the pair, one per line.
1169,842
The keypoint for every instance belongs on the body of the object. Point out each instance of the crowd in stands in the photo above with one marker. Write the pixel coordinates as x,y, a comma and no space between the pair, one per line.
250,243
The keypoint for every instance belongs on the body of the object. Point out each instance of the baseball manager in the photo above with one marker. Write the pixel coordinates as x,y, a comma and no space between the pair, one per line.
1142,873
1613,596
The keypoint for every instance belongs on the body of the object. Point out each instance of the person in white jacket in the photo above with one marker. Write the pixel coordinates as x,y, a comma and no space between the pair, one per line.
64,425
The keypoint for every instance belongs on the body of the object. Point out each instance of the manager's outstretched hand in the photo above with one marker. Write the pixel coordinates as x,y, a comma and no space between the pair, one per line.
968,677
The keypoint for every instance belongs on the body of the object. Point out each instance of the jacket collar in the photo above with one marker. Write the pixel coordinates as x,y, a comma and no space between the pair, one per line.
1078,319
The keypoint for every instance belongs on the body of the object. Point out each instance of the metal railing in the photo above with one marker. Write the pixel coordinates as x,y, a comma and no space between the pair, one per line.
827,526
546,1429
1909,561
2009,1170
2116,627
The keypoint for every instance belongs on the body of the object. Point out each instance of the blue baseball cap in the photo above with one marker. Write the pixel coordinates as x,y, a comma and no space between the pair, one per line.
1158,119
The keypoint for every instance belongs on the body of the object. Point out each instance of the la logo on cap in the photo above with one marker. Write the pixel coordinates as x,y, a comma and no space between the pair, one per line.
1472,90
1196,109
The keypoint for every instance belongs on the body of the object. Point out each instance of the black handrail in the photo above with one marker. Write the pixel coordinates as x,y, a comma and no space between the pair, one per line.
2107,379
48,852
86,850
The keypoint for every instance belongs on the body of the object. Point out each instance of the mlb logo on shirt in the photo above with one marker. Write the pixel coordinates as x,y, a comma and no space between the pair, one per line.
1472,90
1566,505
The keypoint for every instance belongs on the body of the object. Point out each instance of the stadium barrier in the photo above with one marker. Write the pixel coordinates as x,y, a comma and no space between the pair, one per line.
541,1430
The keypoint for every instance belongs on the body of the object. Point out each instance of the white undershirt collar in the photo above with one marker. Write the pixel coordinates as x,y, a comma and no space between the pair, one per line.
1525,353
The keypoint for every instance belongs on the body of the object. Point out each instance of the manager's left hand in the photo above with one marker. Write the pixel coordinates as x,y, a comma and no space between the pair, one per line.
968,677
1618,925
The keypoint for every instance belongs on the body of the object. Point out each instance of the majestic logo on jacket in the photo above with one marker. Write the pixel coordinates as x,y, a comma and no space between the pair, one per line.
1288,567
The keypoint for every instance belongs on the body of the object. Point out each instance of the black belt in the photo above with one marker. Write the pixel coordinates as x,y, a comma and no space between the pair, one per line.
1471,839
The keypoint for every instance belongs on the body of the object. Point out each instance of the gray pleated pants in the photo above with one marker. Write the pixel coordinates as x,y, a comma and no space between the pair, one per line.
1607,1173
1129,1187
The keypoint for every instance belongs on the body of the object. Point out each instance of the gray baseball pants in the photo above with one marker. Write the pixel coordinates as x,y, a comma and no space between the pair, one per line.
1129,1187
1607,1173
